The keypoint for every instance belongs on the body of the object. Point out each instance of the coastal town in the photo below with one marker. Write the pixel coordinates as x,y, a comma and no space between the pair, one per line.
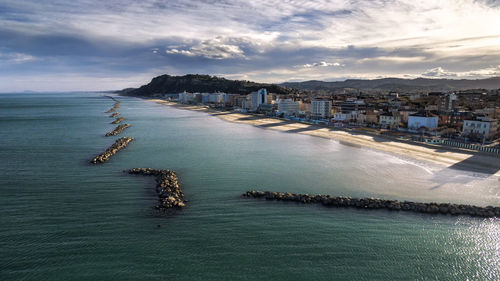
463,119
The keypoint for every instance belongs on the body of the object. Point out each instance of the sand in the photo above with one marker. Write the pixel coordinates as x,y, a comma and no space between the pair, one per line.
448,157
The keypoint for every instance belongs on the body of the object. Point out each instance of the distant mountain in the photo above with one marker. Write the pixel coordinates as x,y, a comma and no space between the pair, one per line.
396,84
205,83
200,83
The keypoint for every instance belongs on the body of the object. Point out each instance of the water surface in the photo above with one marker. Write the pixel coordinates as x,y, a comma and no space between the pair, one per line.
63,219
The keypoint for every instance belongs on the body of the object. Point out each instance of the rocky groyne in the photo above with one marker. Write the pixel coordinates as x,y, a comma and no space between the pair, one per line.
118,120
119,144
114,115
116,105
167,187
111,98
374,203
117,130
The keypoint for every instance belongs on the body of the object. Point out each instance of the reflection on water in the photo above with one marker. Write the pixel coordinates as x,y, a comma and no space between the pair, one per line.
478,243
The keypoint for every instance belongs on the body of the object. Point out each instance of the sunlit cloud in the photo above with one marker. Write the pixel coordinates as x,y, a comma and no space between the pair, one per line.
216,49
320,64
257,40
439,72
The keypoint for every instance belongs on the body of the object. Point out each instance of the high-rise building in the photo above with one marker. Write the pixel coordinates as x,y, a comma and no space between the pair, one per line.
258,98
321,108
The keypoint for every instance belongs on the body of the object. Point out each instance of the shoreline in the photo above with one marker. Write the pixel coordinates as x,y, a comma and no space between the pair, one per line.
448,157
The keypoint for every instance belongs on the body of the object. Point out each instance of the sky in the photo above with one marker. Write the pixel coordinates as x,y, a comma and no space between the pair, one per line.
60,45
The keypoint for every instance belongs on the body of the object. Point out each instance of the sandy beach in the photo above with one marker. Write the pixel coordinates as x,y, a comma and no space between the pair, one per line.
448,157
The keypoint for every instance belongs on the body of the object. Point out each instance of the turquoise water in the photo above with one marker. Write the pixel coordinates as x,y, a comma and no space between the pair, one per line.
63,219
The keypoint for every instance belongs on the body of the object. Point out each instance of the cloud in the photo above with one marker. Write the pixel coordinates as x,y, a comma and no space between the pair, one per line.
320,64
439,72
269,40
216,49
16,58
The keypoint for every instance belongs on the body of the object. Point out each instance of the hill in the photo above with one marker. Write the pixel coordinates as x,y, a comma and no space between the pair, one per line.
200,83
397,84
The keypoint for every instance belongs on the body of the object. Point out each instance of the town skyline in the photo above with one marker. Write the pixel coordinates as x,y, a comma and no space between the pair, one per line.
88,45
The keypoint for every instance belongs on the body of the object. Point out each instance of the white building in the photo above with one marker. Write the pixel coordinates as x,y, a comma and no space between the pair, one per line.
216,98
452,100
288,107
186,97
485,129
389,120
342,117
321,109
417,121
258,98
205,98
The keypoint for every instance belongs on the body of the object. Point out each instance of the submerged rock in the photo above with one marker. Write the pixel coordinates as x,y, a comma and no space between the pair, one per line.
375,203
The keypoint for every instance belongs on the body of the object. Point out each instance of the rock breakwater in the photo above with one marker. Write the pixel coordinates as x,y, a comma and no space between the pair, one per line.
111,98
167,187
117,130
119,144
118,120
116,105
375,203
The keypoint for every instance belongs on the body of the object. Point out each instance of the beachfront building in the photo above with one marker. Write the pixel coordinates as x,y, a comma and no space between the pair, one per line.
389,120
230,99
185,97
485,129
341,117
288,107
304,106
321,108
216,98
369,117
258,98
419,120
405,114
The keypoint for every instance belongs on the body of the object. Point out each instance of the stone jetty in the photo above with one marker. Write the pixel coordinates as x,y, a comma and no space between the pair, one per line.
116,105
117,130
119,144
167,187
114,115
374,203
111,98
118,120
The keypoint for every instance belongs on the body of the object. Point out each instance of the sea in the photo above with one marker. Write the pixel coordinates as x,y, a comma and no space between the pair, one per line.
62,218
